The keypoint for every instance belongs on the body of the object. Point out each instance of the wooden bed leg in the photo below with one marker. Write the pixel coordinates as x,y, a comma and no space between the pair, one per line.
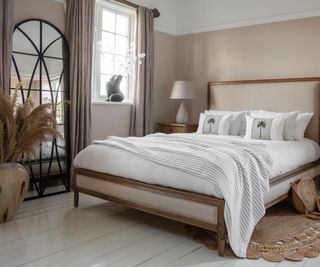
74,187
76,199
222,232
221,244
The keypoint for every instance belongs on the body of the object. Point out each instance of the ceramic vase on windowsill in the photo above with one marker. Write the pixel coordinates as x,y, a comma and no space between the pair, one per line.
22,129
114,93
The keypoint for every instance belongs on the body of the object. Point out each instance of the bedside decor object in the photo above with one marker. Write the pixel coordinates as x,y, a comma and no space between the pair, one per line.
22,129
182,90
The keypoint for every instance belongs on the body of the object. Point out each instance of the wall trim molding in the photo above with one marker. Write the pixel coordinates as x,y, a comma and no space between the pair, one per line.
251,22
166,30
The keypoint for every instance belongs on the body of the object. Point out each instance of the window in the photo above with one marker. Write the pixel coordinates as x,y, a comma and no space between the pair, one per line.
114,36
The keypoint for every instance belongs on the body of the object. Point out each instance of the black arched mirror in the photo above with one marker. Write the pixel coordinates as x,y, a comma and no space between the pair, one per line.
40,62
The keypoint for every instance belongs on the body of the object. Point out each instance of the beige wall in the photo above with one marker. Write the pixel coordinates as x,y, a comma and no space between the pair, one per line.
110,119
165,75
49,10
275,50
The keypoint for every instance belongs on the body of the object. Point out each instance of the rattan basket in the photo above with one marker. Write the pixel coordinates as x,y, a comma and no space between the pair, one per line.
304,196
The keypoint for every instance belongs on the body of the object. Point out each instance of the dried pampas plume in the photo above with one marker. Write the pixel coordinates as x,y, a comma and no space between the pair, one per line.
23,127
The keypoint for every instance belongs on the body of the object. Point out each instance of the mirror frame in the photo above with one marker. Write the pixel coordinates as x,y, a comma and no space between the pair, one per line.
41,181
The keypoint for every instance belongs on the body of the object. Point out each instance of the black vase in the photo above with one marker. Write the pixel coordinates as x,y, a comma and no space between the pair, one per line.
113,89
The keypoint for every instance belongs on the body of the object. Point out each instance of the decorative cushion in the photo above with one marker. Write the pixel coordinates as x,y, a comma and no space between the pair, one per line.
243,124
265,128
289,131
302,122
237,118
214,124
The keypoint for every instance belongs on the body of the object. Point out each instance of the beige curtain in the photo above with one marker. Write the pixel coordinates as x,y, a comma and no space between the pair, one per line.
80,34
6,30
141,116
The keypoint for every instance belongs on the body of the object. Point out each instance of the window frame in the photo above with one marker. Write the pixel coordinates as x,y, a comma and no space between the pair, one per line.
129,12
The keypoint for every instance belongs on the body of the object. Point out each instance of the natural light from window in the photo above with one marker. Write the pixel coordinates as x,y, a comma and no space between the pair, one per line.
114,37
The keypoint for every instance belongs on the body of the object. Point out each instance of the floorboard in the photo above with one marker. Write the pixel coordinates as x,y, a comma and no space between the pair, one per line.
50,232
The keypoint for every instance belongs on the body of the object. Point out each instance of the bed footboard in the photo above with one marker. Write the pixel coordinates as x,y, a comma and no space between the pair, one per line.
186,207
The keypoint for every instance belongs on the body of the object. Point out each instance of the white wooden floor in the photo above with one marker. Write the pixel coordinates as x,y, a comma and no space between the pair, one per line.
50,232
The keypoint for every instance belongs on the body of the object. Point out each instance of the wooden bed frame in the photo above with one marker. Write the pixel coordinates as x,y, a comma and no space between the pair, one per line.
218,227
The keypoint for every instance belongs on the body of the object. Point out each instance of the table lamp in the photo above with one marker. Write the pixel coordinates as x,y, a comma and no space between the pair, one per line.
182,90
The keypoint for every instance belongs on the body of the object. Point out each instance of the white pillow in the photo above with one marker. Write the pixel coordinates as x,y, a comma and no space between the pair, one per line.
265,128
243,124
237,117
289,131
214,124
302,122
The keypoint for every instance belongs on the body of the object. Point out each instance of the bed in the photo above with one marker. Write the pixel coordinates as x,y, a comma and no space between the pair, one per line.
177,195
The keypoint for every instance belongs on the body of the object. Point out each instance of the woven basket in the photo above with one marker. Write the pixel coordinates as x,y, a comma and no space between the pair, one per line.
304,196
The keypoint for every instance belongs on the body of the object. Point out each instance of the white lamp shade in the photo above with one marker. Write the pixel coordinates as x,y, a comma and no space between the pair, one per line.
182,90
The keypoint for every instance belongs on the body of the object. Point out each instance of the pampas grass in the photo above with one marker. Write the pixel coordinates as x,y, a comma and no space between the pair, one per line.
23,127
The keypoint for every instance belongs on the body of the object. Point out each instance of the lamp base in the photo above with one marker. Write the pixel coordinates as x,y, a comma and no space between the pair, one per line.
182,115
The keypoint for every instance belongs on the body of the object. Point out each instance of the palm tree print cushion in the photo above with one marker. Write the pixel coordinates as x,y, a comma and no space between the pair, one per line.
214,124
265,128
261,129
238,117
289,125
211,124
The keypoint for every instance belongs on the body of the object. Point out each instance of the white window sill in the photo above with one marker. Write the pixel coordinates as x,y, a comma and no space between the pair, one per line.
99,102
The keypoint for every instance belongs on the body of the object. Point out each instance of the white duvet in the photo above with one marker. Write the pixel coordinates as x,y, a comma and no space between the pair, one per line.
286,156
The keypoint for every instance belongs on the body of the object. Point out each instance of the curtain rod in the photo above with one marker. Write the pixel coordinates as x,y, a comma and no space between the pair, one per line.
155,11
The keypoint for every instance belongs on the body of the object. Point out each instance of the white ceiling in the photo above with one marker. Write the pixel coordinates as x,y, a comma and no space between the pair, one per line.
179,17
207,15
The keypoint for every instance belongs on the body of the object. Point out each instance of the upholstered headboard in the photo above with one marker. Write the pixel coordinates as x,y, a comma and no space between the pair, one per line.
281,95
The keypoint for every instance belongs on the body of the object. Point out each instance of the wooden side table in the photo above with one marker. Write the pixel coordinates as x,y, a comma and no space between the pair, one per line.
168,128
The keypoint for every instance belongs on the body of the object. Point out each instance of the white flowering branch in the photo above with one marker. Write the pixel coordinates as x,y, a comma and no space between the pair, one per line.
131,59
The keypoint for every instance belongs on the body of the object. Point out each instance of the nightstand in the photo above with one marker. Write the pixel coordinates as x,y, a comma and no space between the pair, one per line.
168,128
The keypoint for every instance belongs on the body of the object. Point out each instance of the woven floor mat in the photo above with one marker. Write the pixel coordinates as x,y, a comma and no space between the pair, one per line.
281,235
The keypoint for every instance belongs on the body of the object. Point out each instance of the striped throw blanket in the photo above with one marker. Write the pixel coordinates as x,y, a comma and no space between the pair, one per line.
239,170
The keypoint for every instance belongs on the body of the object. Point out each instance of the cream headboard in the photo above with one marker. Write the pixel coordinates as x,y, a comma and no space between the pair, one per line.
279,95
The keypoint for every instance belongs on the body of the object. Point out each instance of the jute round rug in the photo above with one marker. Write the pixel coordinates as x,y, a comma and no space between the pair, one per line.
281,235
